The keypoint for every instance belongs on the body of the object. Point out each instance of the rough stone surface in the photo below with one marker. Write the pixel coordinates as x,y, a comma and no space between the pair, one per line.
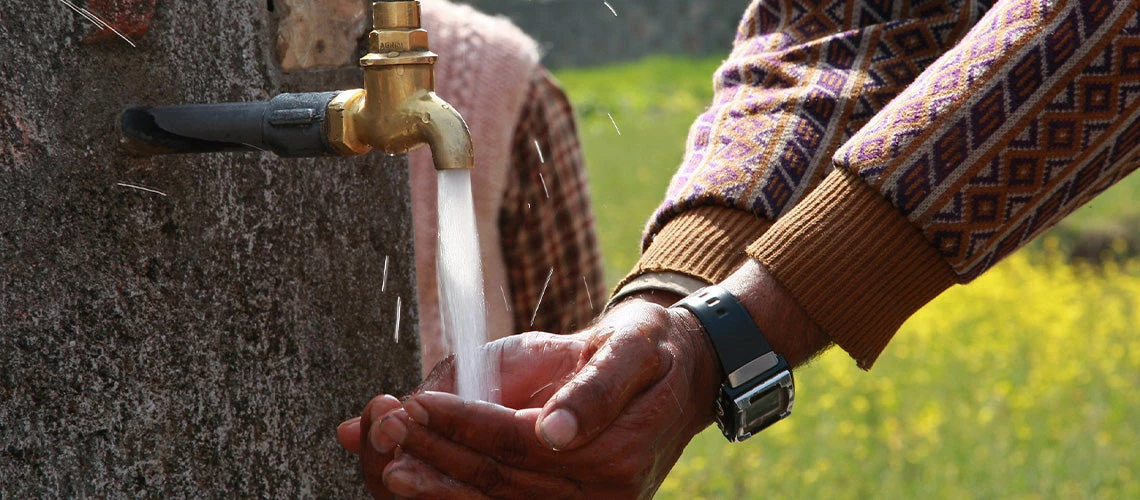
204,343
582,33
324,34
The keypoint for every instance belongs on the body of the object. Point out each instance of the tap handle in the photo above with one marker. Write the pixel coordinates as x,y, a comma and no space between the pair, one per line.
291,125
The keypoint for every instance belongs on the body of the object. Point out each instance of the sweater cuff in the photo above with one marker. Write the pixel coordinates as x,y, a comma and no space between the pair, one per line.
706,243
855,264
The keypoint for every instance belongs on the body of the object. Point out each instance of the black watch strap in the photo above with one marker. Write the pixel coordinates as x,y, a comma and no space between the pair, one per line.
743,352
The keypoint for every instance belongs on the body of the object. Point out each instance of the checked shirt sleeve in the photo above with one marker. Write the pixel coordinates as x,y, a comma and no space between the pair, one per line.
546,221
1030,116
802,78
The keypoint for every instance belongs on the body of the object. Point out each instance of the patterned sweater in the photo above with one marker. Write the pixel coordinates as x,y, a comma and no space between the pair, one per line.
873,153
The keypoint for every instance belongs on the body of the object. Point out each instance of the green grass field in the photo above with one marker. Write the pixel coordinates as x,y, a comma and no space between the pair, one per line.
1021,385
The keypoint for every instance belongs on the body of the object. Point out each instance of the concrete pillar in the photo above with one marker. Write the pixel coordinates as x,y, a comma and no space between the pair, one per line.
202,336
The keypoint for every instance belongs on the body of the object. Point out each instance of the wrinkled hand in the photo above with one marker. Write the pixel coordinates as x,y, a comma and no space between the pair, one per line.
532,367
642,387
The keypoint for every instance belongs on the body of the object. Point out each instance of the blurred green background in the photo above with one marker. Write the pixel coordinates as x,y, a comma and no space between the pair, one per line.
1020,385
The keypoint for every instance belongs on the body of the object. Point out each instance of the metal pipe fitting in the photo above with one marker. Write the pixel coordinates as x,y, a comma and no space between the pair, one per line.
398,109
291,125
395,112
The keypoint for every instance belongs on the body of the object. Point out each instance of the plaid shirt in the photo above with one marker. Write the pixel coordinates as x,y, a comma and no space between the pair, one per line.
546,221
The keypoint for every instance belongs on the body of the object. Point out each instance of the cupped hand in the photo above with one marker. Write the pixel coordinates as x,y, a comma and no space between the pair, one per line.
532,367
643,385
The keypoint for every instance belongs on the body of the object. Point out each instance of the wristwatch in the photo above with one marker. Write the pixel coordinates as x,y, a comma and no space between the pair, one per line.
758,390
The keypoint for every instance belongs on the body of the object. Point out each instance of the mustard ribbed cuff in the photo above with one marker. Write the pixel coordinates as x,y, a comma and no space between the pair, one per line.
706,243
854,263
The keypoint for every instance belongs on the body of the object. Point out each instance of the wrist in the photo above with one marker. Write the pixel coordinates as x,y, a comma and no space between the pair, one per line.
657,296
695,347
786,326
686,341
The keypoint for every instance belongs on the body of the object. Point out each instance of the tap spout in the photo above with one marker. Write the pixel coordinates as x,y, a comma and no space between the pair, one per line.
398,109
444,130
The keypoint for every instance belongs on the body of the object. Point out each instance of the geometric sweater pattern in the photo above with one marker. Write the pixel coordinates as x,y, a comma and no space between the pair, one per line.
983,126
1030,116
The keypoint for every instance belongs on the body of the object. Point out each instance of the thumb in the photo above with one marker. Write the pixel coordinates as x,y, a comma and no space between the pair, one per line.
623,366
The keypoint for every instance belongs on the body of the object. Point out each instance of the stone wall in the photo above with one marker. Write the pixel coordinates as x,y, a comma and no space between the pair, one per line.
586,32
203,340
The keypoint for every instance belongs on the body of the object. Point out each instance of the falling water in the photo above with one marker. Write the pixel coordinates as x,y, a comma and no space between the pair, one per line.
461,286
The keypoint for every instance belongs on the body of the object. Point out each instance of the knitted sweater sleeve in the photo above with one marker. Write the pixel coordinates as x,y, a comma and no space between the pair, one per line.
1025,119
802,78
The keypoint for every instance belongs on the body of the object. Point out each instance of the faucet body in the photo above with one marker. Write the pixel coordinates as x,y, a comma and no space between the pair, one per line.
396,111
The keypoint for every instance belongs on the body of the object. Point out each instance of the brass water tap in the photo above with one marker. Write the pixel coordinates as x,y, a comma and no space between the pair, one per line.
398,109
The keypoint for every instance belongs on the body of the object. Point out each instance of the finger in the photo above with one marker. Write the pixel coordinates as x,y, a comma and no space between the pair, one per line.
348,435
503,434
479,470
372,461
534,365
411,478
626,365
441,378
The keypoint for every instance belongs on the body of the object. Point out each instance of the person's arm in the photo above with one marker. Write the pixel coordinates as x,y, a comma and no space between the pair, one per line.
1027,119
933,191
546,222
798,84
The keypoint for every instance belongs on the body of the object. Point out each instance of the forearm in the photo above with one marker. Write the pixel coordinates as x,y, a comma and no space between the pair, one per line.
797,85
1024,121
942,184
927,196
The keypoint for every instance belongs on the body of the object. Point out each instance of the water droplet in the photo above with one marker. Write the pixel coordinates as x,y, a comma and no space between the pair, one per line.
425,118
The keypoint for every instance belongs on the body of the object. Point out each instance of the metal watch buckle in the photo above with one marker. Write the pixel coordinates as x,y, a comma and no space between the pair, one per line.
744,411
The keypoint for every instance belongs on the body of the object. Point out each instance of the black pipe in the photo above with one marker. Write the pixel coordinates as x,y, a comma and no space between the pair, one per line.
291,125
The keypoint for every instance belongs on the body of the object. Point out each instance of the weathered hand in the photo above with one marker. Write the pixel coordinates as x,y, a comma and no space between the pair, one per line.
641,384
643,387
532,367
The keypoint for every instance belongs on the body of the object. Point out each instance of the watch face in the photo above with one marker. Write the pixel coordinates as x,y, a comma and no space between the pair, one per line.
766,407
749,410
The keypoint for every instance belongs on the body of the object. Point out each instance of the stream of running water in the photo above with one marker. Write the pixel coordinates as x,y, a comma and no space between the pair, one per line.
461,287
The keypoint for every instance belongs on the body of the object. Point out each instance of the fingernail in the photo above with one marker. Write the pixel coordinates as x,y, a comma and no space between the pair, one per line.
416,411
402,482
559,428
395,429
380,442
384,404
353,420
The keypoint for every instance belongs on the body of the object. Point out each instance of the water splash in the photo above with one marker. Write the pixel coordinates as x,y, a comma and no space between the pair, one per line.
140,188
543,180
462,310
541,159
588,296
399,309
505,301
614,122
384,280
541,295
101,24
